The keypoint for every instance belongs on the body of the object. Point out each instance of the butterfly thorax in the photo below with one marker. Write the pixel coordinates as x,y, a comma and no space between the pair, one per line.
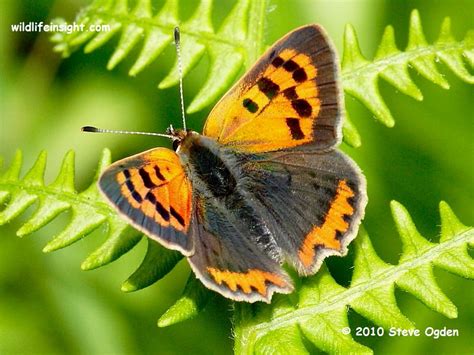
210,166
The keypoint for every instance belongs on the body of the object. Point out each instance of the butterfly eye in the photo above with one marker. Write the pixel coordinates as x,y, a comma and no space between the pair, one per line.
176,143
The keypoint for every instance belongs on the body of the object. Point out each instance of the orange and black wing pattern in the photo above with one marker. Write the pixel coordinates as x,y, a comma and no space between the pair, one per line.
291,97
227,257
313,203
152,191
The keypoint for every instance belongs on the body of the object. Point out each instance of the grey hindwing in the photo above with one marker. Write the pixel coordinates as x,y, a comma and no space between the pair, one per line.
293,191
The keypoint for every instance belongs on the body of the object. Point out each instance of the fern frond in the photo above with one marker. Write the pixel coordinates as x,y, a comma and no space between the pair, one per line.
322,304
360,75
228,47
320,312
88,212
240,41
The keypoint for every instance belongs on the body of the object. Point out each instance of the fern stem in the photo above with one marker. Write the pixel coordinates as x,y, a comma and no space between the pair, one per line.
256,30
200,36
71,198
379,65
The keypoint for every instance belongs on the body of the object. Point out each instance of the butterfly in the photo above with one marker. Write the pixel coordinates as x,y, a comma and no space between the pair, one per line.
263,185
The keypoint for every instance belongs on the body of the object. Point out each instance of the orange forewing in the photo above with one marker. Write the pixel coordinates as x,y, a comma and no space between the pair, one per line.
278,103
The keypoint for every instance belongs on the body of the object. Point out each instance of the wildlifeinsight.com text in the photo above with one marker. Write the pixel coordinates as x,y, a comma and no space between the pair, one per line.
57,27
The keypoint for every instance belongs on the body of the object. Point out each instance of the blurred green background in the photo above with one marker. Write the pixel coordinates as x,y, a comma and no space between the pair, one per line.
48,305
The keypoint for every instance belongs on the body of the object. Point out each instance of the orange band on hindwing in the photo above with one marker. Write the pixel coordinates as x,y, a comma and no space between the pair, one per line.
325,235
248,281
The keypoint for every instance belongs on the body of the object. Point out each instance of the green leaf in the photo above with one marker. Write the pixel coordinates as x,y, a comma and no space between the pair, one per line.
320,312
193,300
377,303
350,133
120,241
157,263
360,75
227,47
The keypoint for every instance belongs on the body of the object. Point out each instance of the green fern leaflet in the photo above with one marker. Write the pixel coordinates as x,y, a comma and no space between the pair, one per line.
360,76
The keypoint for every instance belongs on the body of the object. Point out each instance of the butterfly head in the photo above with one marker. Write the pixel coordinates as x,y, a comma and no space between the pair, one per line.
177,136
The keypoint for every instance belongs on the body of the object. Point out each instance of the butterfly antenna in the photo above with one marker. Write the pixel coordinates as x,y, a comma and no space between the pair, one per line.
101,130
177,43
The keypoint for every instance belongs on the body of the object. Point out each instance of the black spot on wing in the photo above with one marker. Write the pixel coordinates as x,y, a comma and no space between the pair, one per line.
146,178
177,216
290,66
150,197
130,185
347,218
290,93
254,290
158,206
137,196
302,107
295,128
158,173
277,62
299,75
250,105
126,173
134,193
268,87
162,211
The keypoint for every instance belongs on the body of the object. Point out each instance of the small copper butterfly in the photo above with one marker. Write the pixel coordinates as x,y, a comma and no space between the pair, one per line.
264,183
